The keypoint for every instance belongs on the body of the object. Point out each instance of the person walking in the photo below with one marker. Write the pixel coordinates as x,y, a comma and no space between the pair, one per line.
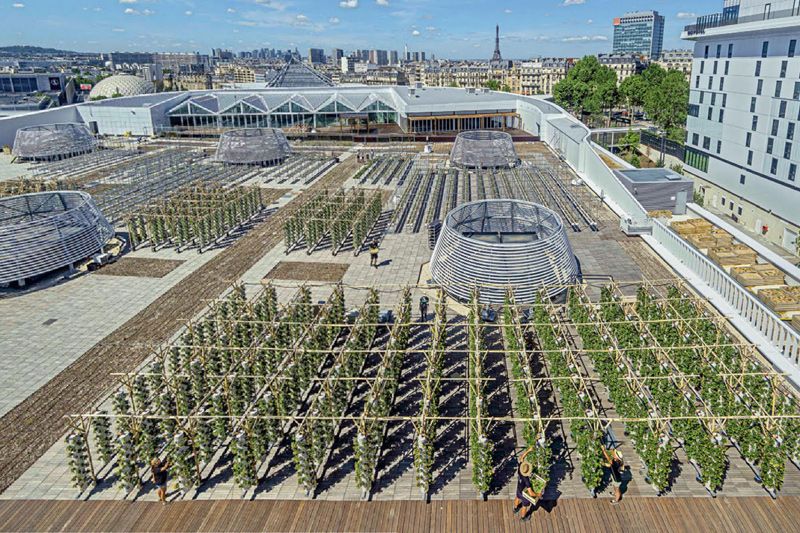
423,308
526,499
159,471
616,464
373,254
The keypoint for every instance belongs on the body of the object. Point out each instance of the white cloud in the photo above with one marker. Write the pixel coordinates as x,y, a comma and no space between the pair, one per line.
573,2
507,11
349,4
687,15
18,5
590,21
584,38
231,10
334,20
119,30
128,1
144,12
415,33
382,2
187,13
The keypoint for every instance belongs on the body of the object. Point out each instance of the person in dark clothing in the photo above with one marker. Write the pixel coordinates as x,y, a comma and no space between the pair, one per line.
525,498
615,463
373,254
159,471
423,309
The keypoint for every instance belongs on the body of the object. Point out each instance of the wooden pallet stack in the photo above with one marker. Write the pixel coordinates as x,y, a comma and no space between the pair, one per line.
785,301
758,275
734,255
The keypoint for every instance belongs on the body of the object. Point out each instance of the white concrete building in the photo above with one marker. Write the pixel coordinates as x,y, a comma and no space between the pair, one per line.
743,142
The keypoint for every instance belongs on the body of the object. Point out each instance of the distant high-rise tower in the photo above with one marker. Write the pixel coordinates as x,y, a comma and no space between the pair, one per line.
497,58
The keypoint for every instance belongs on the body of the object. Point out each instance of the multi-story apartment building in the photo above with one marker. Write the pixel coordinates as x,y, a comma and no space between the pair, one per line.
680,60
624,65
743,142
640,33
539,76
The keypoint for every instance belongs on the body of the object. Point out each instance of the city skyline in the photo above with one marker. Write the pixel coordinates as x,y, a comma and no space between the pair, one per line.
447,29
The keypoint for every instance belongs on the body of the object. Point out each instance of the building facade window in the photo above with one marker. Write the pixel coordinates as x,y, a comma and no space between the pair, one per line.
705,54
759,87
775,125
778,88
754,125
724,99
748,139
697,82
792,172
715,67
730,50
796,95
702,96
770,145
758,68
782,110
790,131
773,167
753,104
787,151
702,67
706,143
695,138
721,115
694,110
765,49
713,98
784,66
719,147
741,179
719,51
727,67
710,111
750,158
792,47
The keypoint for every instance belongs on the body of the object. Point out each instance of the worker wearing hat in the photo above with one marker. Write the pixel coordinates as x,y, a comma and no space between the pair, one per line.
526,498
616,464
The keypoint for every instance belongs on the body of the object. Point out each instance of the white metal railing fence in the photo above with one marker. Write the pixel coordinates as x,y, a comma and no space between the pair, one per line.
785,339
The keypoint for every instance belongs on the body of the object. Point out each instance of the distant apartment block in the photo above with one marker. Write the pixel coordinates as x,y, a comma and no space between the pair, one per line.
640,33
743,142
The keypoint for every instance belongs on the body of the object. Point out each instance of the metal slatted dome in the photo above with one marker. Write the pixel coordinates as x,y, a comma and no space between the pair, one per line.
47,231
53,141
253,146
484,149
497,243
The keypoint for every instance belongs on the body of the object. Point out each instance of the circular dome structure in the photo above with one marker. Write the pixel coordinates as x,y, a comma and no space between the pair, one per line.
499,243
484,149
53,141
121,85
42,232
253,146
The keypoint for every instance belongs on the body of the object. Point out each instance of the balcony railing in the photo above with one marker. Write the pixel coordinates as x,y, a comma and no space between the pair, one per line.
718,20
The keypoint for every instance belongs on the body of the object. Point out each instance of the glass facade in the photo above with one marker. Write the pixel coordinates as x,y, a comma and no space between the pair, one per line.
640,34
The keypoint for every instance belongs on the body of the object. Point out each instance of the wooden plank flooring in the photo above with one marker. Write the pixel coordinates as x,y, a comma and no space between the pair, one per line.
648,515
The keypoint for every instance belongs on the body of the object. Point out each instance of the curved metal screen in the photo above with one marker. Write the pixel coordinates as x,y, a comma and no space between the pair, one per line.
256,146
43,232
484,149
497,243
53,141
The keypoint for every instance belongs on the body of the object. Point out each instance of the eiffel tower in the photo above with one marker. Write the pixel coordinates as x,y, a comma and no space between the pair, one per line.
497,58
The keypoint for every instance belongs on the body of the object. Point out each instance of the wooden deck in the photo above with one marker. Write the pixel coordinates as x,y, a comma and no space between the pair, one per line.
634,514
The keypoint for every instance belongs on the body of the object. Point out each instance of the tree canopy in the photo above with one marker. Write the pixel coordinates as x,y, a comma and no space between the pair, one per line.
588,88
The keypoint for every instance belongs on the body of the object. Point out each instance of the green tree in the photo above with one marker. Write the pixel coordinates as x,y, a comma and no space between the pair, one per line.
667,100
506,88
632,91
630,142
589,88
493,85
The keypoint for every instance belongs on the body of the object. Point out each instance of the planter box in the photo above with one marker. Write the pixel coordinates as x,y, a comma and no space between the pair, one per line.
758,275
735,255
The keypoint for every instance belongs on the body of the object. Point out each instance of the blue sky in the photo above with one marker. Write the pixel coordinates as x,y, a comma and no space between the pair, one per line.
447,28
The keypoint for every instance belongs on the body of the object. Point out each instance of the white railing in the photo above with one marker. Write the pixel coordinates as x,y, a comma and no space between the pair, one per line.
785,339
